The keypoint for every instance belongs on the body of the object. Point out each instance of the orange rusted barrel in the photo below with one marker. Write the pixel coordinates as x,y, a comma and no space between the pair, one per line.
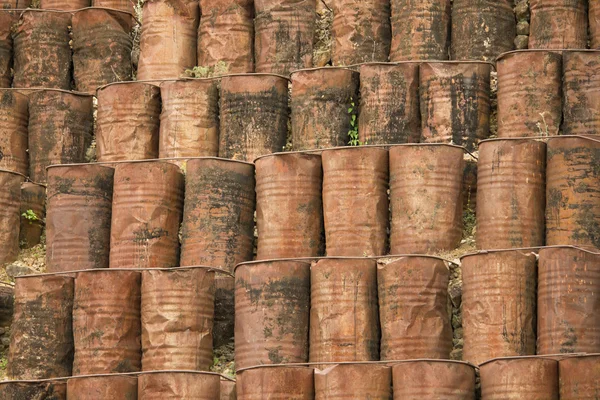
20,390
41,343
253,116
573,192
354,381
420,29
146,213
289,211
389,104
355,201
114,387
178,386
128,122
42,55
15,4
568,301
413,308
189,122
121,5
581,80
272,302
426,201
106,322
78,220
64,5
531,378
14,118
511,193
455,102
33,200
324,107
276,383
594,24
558,24
433,379
168,39
529,93
10,206
7,20
498,304
226,35
344,317
579,377
228,390
60,128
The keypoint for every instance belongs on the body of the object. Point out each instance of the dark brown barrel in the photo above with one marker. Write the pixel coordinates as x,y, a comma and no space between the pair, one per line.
529,93
189,122
354,381
122,5
469,186
78,220
168,39
147,210
455,103
579,377
46,390
526,378
115,387
426,198
594,24
581,105
41,343
413,308
389,104
178,386
128,122
101,48
64,5
33,214
272,302
7,20
289,211
498,305
14,117
420,30
558,24
228,390
10,207
42,52
106,322
253,116
60,128
431,379
321,100
511,193
276,383
573,192
355,201
226,35
568,301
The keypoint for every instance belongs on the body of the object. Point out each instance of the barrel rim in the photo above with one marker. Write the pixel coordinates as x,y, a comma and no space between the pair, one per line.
533,250
106,9
593,139
124,374
17,92
55,166
549,357
109,163
139,270
35,90
541,139
457,62
578,355
143,82
257,74
386,64
15,173
513,52
330,67
184,79
350,148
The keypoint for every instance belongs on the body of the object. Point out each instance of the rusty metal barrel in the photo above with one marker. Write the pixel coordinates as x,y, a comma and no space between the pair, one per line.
594,24
321,100
519,378
23,390
10,207
42,55
289,212
558,24
420,29
14,118
33,214
128,122
529,93
122,5
228,389
178,386
426,198
272,302
189,121
276,383
581,83
114,387
60,128
106,322
389,104
344,316
413,308
41,343
568,301
579,377
168,38
433,379
15,4
78,218
511,193
455,102
64,5
7,20
573,192
146,214
498,304
354,381
253,116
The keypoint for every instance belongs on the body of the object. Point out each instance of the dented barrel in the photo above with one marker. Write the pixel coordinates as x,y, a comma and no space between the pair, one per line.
33,214
581,89
10,207
276,383
354,381
558,24
579,377
114,387
23,390
433,379
178,386
14,119
7,20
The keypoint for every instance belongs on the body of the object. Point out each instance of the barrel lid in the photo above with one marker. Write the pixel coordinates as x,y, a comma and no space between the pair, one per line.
535,250
142,82
54,166
513,52
457,62
593,138
385,64
252,74
548,357
323,68
124,374
522,139
140,270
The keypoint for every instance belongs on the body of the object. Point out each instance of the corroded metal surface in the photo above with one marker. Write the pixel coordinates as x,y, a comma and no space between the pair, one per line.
558,24
469,185
579,377
498,305
106,322
33,197
14,117
7,20
122,5
32,390
280,383
253,116
354,381
426,379
426,198
581,105
228,390
103,388
15,4
178,386
594,24
511,194
568,301
64,5
10,206
41,343
389,104
272,302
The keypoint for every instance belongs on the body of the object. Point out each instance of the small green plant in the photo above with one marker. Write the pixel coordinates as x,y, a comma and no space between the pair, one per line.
469,220
30,216
3,363
353,132
220,68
